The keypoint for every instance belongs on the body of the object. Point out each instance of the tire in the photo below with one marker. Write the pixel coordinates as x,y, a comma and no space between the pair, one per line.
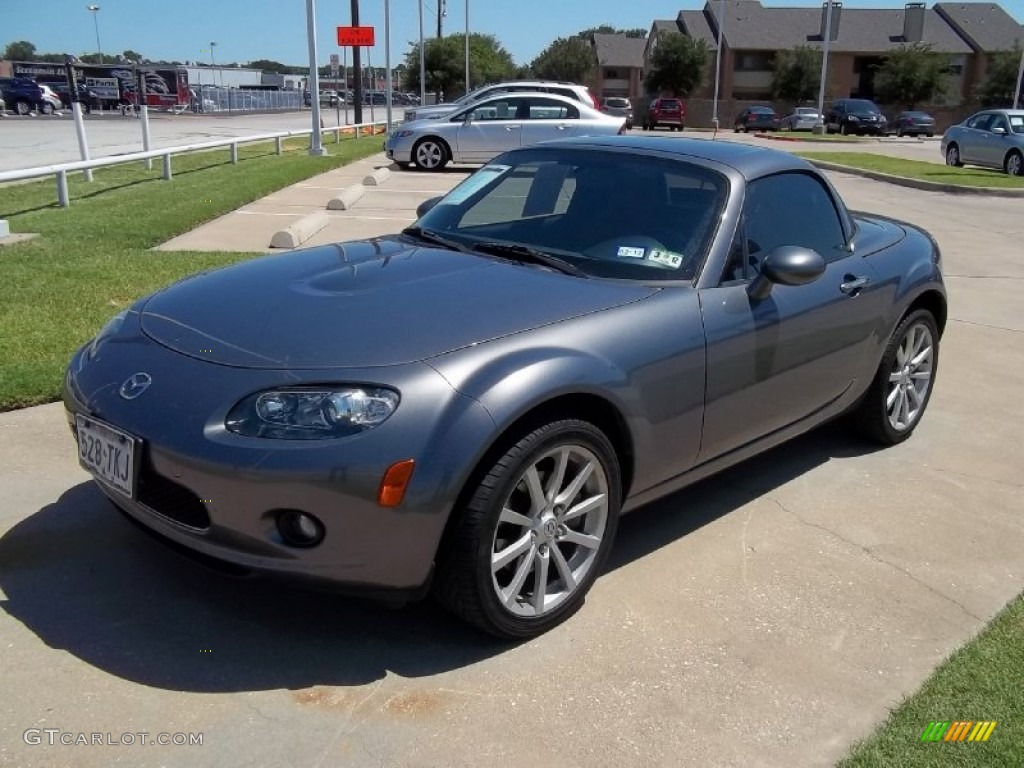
22,107
885,413
46,109
526,530
899,132
929,135
1014,163
844,129
430,154
953,156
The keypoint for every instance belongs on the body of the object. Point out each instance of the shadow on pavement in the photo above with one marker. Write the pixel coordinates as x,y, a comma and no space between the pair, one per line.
82,578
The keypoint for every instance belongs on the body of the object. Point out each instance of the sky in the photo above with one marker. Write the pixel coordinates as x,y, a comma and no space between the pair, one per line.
276,29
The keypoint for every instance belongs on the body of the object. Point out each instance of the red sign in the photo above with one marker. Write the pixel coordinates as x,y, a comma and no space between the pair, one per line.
355,36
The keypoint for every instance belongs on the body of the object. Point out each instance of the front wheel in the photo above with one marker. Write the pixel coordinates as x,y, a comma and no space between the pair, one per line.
953,156
898,395
535,533
22,107
430,155
1014,164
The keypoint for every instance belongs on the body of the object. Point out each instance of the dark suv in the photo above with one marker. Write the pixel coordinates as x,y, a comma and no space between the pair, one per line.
665,111
857,116
21,94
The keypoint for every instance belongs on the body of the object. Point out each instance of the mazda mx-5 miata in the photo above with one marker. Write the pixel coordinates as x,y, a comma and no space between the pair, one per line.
466,408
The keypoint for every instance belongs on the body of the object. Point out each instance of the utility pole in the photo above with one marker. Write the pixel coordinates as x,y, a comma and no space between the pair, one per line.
440,13
357,96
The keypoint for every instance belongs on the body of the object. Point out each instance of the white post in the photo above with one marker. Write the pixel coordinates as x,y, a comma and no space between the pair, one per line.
423,62
315,145
1020,77
467,47
387,61
83,144
373,87
344,77
718,63
824,67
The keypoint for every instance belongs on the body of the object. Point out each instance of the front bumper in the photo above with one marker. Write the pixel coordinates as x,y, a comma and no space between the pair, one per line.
399,150
217,495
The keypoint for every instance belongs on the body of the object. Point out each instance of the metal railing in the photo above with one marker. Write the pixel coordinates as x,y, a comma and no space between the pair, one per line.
240,100
61,170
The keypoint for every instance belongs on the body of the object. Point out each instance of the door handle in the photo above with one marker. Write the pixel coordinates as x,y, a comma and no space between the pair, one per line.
851,285
512,127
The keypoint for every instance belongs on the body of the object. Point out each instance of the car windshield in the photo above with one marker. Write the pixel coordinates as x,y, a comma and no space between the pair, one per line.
914,114
806,111
860,105
668,104
608,213
1016,123
762,110
617,102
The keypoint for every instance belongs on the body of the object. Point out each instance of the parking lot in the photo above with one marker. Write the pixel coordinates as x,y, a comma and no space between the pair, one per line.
767,617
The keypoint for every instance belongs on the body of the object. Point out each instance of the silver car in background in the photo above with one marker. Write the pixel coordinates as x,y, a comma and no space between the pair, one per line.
800,119
485,129
580,93
993,138
618,106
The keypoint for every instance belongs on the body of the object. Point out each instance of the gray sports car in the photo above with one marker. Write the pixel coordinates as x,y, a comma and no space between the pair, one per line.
467,407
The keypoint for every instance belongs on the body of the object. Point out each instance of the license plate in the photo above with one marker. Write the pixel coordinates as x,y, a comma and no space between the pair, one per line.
108,453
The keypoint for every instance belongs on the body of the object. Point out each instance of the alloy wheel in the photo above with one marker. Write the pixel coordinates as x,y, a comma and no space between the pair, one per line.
910,377
953,156
1015,164
429,155
550,530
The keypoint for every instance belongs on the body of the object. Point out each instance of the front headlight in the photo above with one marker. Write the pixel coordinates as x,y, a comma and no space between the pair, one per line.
853,119
312,413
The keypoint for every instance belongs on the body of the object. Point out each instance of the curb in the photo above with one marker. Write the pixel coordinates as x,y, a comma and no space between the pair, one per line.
773,137
299,232
346,198
903,181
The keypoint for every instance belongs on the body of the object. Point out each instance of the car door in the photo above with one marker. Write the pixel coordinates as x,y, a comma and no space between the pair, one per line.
994,146
973,138
548,119
774,362
493,127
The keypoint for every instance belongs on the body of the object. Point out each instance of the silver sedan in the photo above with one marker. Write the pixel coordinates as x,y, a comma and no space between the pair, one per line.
993,138
485,129
800,119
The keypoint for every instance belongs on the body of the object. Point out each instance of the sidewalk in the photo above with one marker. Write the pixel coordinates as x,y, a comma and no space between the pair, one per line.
382,209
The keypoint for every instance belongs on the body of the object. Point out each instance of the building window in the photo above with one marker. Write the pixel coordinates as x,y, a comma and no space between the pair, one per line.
611,74
754,62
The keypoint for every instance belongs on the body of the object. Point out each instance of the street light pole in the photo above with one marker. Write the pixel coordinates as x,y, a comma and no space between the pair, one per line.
387,61
95,10
423,61
718,64
824,68
315,145
213,65
1020,78
467,46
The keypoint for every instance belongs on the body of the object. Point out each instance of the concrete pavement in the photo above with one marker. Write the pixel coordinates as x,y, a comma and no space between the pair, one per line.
767,617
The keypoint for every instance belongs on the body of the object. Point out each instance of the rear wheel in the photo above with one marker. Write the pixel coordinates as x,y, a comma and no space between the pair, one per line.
1014,164
430,154
844,129
22,107
46,109
953,156
898,395
535,533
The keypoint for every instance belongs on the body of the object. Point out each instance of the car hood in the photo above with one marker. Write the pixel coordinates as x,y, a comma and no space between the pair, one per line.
365,304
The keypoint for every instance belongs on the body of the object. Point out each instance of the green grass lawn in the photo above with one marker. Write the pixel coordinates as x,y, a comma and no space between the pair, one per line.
93,258
919,169
982,681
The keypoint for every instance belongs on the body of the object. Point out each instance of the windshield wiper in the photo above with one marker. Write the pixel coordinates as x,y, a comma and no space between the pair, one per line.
430,236
523,253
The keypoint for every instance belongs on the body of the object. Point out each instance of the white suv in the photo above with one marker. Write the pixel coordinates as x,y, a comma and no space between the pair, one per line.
570,90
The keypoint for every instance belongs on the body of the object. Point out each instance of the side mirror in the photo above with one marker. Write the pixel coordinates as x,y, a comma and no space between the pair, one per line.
786,265
426,205
999,130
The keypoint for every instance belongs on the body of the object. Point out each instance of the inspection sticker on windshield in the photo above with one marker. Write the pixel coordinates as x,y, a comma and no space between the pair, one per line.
631,252
668,258
475,183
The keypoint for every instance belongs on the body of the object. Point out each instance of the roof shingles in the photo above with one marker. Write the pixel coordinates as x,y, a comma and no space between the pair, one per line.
619,50
986,26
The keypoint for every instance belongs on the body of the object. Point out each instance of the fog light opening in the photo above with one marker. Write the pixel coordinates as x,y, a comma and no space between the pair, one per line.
394,483
299,529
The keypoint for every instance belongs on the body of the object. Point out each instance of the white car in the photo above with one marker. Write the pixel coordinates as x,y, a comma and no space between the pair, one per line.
485,129
580,93
51,101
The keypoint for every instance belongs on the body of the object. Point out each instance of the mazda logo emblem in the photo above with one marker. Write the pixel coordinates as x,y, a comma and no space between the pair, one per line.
135,385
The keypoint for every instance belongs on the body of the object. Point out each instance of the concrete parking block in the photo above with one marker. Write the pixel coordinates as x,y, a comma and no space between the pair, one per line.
346,198
378,177
298,232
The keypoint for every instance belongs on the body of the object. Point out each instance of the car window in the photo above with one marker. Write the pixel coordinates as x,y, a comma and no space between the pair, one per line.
549,109
999,121
791,208
980,122
557,200
1017,123
497,109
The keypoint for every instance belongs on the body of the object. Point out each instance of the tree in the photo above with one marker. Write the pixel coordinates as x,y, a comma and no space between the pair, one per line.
22,50
678,66
567,58
132,55
996,90
912,75
797,74
606,29
94,58
445,63
268,65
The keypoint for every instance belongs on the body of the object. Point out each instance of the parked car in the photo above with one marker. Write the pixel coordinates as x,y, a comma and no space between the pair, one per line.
993,138
855,116
535,369
800,119
757,119
913,123
665,111
618,107
478,132
51,101
580,93
329,98
22,94
87,97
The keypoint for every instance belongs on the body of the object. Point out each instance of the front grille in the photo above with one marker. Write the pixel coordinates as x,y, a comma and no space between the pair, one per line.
168,498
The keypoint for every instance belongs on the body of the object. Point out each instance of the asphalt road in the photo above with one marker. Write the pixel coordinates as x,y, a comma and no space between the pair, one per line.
45,140
767,617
